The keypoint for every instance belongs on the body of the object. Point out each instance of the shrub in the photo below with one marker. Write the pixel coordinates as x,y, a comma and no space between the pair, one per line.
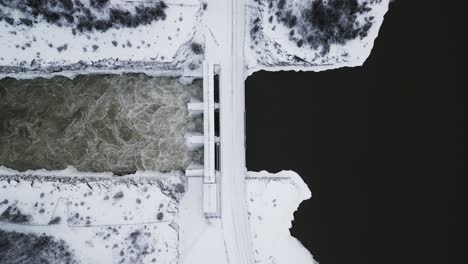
197,48
78,16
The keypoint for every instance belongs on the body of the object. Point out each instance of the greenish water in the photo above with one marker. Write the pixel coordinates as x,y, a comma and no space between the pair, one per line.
97,123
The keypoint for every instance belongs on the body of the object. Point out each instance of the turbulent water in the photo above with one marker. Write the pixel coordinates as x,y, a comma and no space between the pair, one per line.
97,123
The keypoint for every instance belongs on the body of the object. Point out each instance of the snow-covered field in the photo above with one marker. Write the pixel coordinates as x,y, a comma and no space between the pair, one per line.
101,219
140,40
138,218
310,35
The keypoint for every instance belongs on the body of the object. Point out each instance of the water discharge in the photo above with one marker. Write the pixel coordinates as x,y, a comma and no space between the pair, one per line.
97,123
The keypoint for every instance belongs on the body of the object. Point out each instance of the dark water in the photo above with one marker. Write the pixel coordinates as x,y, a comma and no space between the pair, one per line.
97,123
382,147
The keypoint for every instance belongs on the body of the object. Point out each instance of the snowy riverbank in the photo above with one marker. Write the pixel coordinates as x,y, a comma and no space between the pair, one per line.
119,36
101,218
310,35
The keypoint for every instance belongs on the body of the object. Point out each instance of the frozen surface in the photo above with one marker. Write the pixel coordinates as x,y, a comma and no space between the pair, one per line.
310,34
98,123
96,219
119,35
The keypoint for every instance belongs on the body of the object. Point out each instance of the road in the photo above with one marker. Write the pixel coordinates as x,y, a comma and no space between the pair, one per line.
225,21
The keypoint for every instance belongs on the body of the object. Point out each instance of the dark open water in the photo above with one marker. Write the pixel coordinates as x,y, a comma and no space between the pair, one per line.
382,147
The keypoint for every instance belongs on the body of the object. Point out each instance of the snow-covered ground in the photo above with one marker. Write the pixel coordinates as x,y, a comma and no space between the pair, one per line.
168,44
149,215
153,217
310,35
101,219
272,200
280,35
